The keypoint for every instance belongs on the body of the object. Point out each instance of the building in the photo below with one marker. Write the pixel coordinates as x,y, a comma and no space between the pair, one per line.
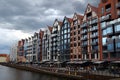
75,38
46,45
109,17
35,47
55,40
29,57
13,53
65,39
40,37
3,58
20,51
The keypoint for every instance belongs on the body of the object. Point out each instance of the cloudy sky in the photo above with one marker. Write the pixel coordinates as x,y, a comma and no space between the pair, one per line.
21,18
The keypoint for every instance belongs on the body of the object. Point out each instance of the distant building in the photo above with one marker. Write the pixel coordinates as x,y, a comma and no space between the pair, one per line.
3,57
13,53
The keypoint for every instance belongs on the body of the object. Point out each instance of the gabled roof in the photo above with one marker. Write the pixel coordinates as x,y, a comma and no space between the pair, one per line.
69,19
79,16
60,23
93,8
50,28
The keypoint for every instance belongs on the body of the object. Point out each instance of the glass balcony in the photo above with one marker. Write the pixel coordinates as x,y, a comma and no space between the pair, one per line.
84,25
94,21
104,18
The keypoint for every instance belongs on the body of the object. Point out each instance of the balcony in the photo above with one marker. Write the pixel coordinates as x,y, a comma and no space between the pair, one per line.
105,18
84,32
84,25
94,43
118,5
94,29
94,21
94,36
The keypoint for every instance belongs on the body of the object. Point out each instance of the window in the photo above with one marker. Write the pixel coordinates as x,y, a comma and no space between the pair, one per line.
65,31
78,38
104,40
110,46
79,32
74,33
108,7
79,44
74,39
75,56
118,45
109,30
103,24
117,28
104,32
75,44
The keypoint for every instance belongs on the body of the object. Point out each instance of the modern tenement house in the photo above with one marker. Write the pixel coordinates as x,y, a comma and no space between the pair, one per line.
20,51
89,34
25,47
46,44
13,52
29,49
55,40
75,38
40,36
109,17
35,47
65,39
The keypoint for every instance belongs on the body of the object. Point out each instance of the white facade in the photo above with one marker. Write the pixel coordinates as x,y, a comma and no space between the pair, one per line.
46,45
13,53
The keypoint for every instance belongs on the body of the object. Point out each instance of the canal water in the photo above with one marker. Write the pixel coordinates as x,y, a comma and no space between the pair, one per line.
7,73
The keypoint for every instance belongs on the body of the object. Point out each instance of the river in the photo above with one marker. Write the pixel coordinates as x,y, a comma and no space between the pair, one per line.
7,73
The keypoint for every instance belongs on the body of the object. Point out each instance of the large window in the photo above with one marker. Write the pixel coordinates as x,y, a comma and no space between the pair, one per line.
118,45
110,47
117,28
104,40
109,30
103,24
104,32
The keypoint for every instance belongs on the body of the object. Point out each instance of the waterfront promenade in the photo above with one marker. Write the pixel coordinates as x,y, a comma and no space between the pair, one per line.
67,72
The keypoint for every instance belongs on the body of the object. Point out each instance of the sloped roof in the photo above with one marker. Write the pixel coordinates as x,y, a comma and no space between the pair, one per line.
93,8
50,28
69,19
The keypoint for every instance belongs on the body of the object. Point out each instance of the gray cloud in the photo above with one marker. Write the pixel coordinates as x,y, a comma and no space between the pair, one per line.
27,15
31,15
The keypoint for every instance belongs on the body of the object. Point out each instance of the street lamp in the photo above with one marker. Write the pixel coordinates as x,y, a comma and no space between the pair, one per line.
58,54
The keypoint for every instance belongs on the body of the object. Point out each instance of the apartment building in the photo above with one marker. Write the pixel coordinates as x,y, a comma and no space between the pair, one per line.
40,36
46,44
65,39
89,34
20,51
55,40
35,47
75,38
13,53
29,49
109,18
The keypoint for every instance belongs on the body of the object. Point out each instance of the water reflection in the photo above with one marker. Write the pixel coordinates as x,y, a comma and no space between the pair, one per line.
7,73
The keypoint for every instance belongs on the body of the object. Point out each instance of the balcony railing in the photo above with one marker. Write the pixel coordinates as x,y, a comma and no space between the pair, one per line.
84,25
104,18
94,21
